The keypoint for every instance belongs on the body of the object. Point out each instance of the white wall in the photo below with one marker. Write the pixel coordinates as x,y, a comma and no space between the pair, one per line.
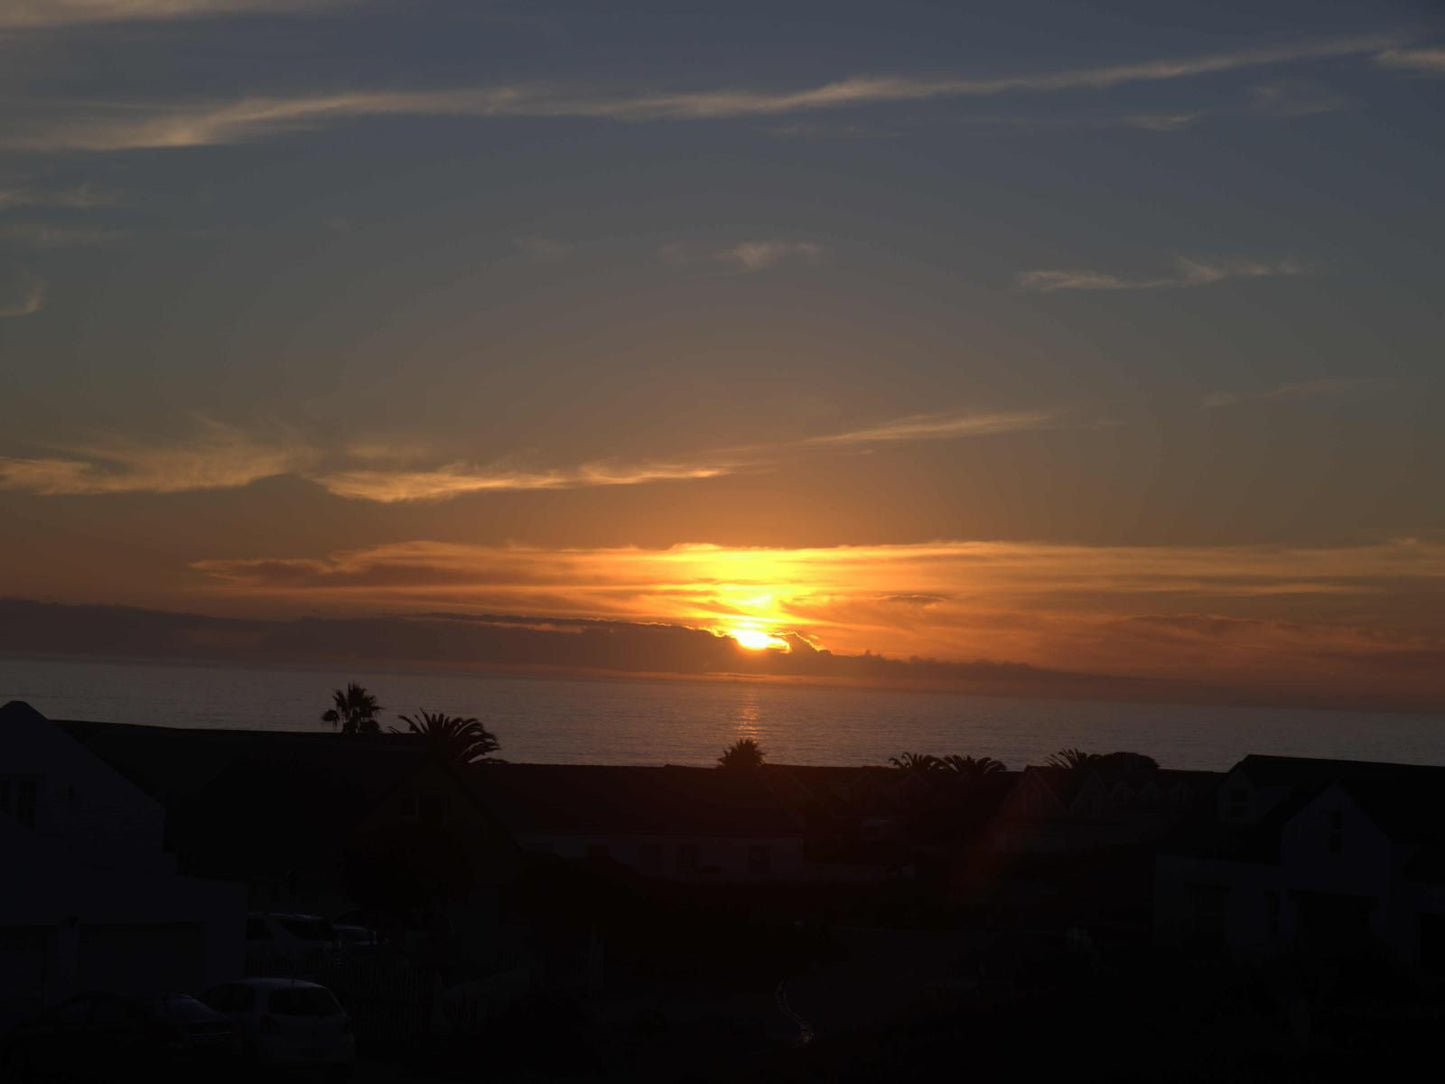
89,896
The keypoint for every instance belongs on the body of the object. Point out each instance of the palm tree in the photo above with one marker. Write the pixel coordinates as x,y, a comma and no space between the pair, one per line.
1072,757
742,754
972,767
457,740
916,762
355,711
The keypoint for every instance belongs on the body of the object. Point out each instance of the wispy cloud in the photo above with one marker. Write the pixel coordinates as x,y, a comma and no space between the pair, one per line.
46,235
21,294
1189,272
543,249
143,125
761,255
393,485
77,197
460,479
1294,98
1428,61
1306,389
941,427
40,14
220,457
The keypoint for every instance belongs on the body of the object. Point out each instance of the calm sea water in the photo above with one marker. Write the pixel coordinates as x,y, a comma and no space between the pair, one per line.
600,721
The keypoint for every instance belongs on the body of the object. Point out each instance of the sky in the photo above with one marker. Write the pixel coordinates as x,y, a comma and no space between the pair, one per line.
1099,338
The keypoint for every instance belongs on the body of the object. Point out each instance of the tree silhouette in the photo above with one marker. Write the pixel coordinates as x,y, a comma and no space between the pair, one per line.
1122,763
971,767
354,711
1126,763
916,762
457,740
1072,757
741,754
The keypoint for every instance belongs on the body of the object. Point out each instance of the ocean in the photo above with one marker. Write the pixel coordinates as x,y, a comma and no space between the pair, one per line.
660,721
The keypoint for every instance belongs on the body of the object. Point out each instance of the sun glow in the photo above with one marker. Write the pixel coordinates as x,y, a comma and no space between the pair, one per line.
756,639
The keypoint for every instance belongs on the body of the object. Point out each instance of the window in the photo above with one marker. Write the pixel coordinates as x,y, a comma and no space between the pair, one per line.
112,1012
688,858
760,859
1335,839
19,798
73,1013
410,808
257,930
435,808
1237,804
1271,913
303,1001
1210,907
309,929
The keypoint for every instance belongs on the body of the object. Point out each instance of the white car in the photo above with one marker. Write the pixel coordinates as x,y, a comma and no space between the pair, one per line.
286,944
287,1022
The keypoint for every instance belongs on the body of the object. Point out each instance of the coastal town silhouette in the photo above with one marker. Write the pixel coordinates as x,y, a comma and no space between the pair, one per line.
401,903
802,541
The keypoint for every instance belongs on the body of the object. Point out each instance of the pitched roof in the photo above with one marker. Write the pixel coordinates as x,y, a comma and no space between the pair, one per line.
1406,801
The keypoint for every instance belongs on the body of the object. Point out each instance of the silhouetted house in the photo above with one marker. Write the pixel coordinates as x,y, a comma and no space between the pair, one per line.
1319,856
1057,810
312,822
673,823
91,898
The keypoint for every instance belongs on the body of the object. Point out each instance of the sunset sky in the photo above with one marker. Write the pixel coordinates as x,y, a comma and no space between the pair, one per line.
1102,338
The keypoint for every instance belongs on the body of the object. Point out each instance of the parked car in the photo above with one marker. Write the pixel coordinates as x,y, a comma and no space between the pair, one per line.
287,1022
104,1036
289,944
288,931
357,937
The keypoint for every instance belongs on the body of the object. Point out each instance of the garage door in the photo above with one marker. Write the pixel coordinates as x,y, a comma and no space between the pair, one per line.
22,971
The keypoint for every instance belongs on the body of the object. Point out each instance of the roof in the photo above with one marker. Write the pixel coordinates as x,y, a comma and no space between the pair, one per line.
171,763
594,800
1312,771
1406,801
1065,785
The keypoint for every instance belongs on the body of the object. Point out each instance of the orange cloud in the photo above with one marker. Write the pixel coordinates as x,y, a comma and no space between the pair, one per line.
1256,612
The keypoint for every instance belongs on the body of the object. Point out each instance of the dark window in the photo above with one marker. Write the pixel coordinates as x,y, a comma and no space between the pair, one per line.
1432,943
112,1012
1335,841
18,798
435,809
73,1013
1210,905
1271,913
760,859
219,998
309,929
688,857
184,1009
257,930
1237,804
303,1001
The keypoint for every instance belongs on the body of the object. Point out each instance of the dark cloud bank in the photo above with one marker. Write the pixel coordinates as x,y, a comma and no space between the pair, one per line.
29,628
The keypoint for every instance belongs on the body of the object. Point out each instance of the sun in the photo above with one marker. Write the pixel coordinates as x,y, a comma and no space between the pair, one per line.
756,639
